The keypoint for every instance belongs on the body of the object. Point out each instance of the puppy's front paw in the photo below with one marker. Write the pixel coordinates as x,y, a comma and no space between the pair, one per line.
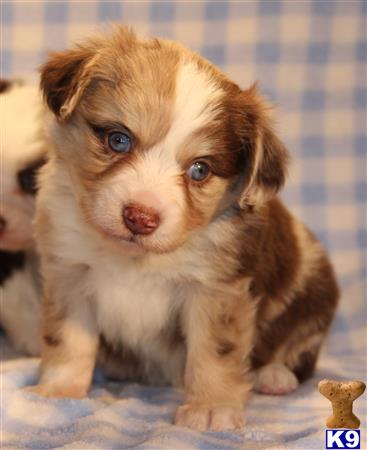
56,391
275,379
214,418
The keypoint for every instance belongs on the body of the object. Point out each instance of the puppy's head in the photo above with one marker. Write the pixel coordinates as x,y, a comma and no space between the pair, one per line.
158,142
22,153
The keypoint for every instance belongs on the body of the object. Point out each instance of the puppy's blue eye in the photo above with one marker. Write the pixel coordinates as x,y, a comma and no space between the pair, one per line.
119,142
198,171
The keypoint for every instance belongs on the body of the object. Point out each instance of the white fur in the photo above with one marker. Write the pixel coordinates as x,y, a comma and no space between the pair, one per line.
154,174
20,307
216,418
125,292
112,275
21,144
195,102
275,379
21,109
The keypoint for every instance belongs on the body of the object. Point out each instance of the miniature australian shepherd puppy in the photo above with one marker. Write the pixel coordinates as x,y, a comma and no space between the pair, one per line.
162,238
22,154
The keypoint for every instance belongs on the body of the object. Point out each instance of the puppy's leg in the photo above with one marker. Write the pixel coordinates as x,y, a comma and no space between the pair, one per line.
292,362
287,347
217,379
70,341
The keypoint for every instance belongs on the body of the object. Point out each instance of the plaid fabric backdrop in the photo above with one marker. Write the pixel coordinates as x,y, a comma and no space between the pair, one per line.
310,60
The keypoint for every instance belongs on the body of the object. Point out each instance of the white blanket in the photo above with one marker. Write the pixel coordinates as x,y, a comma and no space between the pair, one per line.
131,416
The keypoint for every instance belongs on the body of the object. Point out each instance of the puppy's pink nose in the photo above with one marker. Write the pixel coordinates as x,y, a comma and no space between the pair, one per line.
2,225
140,219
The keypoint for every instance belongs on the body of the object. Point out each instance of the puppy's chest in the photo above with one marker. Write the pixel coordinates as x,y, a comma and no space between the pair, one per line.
132,306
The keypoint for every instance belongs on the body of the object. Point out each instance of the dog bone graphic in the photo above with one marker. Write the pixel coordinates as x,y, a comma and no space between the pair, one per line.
342,396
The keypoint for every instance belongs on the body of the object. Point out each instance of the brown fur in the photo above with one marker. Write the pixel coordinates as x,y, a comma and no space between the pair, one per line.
5,85
247,284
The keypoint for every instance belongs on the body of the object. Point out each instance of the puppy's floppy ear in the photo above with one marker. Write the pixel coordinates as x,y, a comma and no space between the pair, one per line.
64,78
267,156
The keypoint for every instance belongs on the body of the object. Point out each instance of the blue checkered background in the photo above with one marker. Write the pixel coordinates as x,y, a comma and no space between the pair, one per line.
310,60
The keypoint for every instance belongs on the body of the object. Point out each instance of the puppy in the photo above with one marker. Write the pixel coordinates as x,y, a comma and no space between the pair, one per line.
161,234
23,152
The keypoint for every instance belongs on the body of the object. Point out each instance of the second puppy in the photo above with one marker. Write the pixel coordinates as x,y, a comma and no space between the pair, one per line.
160,232
23,152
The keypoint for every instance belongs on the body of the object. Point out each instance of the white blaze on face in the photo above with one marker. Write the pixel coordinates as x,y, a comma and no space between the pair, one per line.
195,101
157,171
196,97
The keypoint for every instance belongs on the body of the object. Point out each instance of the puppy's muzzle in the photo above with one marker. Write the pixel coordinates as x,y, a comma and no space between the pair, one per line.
140,219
